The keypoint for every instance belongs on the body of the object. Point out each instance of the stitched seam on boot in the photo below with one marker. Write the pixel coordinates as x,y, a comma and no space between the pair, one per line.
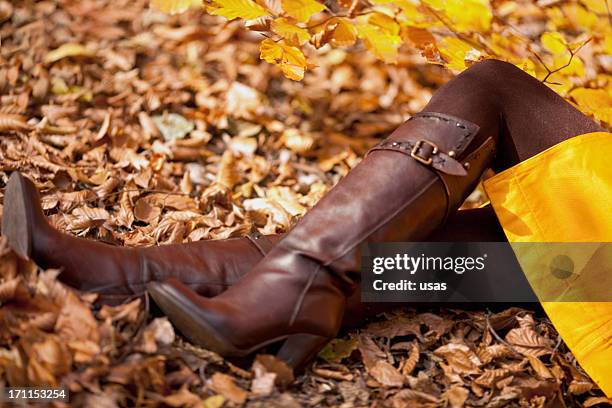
256,245
298,306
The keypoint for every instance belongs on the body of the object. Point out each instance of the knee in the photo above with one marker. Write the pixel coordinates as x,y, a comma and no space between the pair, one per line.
497,75
492,69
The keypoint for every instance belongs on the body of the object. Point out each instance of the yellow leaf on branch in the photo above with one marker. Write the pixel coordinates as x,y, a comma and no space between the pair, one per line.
381,43
231,9
290,59
469,15
454,52
337,31
345,33
425,42
287,29
175,6
384,23
302,10
415,15
554,43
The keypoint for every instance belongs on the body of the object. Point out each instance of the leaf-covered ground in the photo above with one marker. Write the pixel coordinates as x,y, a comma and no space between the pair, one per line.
141,129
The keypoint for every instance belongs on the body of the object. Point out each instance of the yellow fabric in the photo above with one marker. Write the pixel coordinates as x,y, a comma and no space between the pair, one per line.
564,194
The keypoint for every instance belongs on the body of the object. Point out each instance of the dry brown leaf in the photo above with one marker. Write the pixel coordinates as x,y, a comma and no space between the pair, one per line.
460,357
594,401
297,141
226,386
228,174
456,396
490,377
76,321
12,122
8,289
385,374
528,342
182,398
492,352
580,387
128,312
538,366
410,363
146,211
48,361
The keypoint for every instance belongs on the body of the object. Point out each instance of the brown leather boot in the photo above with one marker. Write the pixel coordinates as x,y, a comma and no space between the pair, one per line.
403,190
119,273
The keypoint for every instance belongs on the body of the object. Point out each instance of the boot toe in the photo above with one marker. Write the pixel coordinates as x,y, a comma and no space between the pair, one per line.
173,299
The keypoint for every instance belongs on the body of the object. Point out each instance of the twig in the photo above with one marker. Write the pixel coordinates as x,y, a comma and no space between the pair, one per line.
497,336
572,54
457,34
353,7
135,190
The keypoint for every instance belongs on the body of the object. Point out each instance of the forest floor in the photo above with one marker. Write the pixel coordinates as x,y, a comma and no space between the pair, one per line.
144,129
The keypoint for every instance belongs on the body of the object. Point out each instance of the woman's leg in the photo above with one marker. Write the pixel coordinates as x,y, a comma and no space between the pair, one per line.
300,285
528,115
208,267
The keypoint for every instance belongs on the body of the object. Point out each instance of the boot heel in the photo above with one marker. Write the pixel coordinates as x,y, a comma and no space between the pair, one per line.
299,349
16,217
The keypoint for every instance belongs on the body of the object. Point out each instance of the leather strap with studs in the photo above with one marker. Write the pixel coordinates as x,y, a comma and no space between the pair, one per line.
428,153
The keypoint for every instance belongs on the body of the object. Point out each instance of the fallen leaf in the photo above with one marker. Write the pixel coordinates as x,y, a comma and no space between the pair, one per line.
226,386
68,50
173,126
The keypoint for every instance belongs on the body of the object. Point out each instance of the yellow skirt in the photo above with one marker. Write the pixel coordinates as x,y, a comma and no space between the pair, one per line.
564,194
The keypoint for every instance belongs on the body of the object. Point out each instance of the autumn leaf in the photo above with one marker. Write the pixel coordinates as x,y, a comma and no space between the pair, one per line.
469,15
528,342
226,386
338,349
460,358
380,42
454,51
554,43
175,6
302,10
293,34
344,32
290,59
231,9
597,102
68,50
538,366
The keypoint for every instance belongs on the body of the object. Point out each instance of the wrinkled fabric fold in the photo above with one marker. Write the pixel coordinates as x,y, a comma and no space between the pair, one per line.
564,194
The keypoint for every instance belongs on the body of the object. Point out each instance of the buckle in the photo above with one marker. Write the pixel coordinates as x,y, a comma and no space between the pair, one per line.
417,147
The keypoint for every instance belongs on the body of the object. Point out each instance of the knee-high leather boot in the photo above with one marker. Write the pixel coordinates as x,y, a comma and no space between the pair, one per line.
404,189
118,273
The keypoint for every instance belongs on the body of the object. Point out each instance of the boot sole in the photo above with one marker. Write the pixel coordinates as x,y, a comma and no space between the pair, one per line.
296,350
200,333
15,217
